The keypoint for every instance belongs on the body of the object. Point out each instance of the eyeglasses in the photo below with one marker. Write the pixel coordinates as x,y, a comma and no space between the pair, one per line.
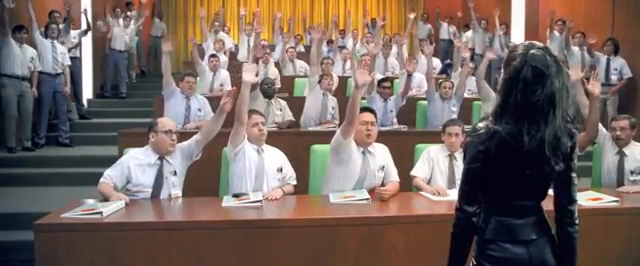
169,132
384,87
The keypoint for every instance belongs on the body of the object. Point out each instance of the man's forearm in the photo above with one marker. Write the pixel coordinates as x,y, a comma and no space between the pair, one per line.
34,79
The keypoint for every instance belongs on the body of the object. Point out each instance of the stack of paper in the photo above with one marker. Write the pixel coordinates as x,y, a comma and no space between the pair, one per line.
396,127
95,210
592,198
354,196
251,199
324,127
452,195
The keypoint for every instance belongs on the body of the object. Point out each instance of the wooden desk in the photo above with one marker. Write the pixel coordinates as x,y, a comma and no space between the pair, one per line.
406,115
202,179
299,230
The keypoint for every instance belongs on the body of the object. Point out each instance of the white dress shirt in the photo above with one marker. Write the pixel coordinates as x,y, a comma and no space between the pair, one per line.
45,53
447,31
74,37
467,38
302,68
433,166
342,68
574,56
175,103
222,80
276,109
269,70
158,28
393,67
119,39
395,53
209,49
244,45
135,172
619,69
393,107
424,29
17,60
243,159
422,64
555,41
336,80
419,85
610,160
345,160
228,42
311,114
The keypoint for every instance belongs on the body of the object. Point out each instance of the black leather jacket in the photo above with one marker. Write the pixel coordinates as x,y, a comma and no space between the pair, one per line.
500,197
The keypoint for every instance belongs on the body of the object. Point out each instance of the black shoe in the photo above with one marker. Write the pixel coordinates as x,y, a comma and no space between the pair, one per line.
38,146
65,144
29,149
84,117
104,96
143,73
122,96
12,150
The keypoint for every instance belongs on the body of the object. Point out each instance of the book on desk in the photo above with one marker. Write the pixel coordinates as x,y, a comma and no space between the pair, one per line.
592,198
353,196
95,210
250,199
452,195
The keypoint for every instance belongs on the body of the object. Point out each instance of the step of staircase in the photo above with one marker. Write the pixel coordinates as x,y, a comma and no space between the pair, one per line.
16,248
120,103
85,139
146,86
134,94
121,113
102,125
59,157
50,177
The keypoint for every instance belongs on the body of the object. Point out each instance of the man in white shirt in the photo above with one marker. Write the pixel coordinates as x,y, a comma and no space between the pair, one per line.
382,100
213,80
342,64
385,63
614,72
440,166
182,104
133,27
320,106
356,161
326,68
425,30
275,110
267,69
158,170
448,33
117,58
215,34
555,35
481,36
255,165
54,81
620,155
20,64
246,39
72,42
579,50
158,31
290,65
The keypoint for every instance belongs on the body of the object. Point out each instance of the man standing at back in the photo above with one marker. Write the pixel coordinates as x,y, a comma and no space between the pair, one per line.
356,161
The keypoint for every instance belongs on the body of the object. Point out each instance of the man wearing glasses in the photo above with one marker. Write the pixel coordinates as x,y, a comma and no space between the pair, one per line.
158,170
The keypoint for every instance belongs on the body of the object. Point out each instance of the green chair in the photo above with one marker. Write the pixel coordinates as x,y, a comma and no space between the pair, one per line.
349,85
476,111
396,86
318,160
299,86
363,103
421,114
596,167
224,174
417,151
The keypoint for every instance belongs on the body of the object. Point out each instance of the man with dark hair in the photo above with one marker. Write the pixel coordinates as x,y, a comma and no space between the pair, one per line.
181,103
615,73
20,64
255,165
555,35
158,170
214,81
439,169
356,161
384,102
54,80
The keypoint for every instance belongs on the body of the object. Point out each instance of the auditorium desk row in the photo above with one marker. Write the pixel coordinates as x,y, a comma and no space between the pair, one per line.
406,115
203,177
299,230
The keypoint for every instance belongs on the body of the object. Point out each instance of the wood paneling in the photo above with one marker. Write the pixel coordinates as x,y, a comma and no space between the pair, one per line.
591,16
624,28
484,8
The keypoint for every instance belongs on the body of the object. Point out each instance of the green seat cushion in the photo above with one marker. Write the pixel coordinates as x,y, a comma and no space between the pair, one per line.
417,151
596,167
318,160
223,190
421,114
476,111
299,86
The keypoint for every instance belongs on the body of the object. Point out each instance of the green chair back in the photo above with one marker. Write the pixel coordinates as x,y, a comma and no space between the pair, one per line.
299,86
223,190
421,114
349,85
363,103
417,151
318,160
476,111
596,167
396,86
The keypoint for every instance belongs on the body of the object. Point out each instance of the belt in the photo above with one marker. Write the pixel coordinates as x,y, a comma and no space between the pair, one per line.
159,37
74,57
15,77
51,74
122,51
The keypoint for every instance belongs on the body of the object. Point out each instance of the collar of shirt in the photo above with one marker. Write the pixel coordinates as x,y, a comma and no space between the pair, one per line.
630,148
446,152
150,154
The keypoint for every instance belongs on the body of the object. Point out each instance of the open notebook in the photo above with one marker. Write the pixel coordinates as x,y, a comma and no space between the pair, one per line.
95,210
251,199
592,198
452,195
396,127
327,127
354,196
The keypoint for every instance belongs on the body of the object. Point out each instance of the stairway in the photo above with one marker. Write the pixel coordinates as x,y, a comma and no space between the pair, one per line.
33,184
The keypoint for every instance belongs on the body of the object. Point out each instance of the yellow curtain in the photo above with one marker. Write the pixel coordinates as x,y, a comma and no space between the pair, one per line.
183,17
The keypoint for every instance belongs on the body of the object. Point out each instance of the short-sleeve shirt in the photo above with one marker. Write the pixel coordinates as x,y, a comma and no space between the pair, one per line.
433,166
175,105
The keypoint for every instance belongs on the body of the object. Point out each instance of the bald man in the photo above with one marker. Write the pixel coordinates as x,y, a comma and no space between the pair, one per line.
158,170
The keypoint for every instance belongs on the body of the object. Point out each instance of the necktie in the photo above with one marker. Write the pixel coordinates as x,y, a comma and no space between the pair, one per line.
295,68
159,181
583,60
324,107
187,111
620,168
259,181
212,86
607,71
385,115
386,66
54,56
267,112
248,48
365,169
344,67
451,176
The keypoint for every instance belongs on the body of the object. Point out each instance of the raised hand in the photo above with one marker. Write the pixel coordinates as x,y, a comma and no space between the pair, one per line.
591,40
471,3
316,32
552,13
249,72
412,15
67,4
437,10
243,11
490,54
278,14
334,19
575,72
459,14
595,85
226,103
362,78
193,41
570,23
465,51
203,13
167,44
457,43
304,16
9,3
496,12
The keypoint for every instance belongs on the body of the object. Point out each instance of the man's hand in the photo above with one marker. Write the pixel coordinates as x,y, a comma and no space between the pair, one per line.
316,32
190,126
249,72
203,13
226,103
412,15
67,90
243,11
34,91
490,54
362,78
496,12
629,189
438,191
119,196
595,85
275,194
167,44
383,193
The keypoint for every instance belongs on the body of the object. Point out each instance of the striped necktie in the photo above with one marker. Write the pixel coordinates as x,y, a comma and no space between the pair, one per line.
54,57
258,184
187,111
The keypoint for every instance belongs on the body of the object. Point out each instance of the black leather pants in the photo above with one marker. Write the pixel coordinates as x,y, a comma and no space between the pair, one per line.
538,252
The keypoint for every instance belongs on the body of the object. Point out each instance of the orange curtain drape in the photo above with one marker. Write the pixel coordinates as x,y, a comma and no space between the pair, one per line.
183,17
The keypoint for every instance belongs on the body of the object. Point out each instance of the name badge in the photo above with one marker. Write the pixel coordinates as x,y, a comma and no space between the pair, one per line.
176,194
634,174
199,112
380,174
279,174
